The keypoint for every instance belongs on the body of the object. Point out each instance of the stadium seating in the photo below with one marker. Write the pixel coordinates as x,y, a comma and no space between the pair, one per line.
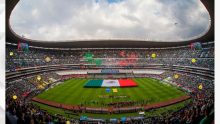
112,58
24,67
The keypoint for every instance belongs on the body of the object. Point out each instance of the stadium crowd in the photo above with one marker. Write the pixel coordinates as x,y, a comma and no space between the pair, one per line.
200,109
111,57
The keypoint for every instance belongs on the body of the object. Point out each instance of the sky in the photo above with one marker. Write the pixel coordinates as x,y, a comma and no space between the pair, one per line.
150,20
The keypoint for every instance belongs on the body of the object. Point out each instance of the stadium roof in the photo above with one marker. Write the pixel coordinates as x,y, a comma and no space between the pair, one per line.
108,42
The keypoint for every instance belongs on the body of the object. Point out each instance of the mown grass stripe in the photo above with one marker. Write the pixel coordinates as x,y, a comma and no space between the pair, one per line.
73,92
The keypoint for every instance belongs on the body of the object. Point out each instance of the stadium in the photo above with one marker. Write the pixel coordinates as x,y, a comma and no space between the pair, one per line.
109,81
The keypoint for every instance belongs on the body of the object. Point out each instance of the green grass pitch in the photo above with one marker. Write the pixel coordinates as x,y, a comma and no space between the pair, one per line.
73,92
151,113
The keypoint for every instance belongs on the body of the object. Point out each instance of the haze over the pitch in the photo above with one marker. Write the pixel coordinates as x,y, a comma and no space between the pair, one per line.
155,20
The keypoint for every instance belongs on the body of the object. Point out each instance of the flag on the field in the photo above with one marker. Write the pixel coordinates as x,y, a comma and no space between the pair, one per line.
115,90
111,83
94,83
108,90
127,83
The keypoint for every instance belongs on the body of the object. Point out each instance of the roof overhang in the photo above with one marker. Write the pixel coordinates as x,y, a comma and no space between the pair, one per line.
12,37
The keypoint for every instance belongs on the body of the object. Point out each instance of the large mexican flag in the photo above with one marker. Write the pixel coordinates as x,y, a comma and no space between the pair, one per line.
110,83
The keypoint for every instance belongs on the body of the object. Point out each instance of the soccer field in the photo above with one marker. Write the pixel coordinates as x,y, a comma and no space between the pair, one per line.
73,92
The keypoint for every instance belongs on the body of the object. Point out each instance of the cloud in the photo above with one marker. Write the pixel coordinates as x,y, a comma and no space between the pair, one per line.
156,20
